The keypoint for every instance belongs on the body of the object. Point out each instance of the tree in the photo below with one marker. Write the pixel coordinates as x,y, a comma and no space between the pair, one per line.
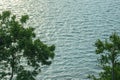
20,49
109,51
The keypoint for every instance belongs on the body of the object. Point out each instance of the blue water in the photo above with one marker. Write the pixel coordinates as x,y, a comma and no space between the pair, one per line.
73,26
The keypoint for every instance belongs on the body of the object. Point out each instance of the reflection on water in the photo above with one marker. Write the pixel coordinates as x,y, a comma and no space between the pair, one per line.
73,26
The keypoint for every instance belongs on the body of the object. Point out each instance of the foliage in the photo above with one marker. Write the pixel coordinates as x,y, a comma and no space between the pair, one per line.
109,61
18,43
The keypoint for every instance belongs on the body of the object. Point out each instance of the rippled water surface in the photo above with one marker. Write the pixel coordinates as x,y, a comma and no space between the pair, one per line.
73,26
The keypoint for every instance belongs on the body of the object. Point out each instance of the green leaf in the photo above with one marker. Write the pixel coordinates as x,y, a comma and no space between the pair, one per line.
24,18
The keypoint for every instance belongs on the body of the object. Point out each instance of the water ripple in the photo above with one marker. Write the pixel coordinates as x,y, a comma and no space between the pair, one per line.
73,26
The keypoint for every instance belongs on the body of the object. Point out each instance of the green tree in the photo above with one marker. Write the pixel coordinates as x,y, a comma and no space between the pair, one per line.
20,49
109,61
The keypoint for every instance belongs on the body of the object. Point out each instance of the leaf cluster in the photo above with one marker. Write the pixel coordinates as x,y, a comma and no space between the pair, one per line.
109,51
18,43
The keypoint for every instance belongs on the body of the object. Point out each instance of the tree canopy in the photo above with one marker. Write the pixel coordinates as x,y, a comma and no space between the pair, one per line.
21,53
109,61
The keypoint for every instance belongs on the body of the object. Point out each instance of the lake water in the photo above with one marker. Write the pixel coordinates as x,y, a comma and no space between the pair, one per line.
73,26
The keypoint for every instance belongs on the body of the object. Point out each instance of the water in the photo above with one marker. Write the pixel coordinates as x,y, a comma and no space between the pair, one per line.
73,26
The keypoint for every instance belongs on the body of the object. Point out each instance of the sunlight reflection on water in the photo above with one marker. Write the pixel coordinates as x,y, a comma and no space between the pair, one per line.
73,26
